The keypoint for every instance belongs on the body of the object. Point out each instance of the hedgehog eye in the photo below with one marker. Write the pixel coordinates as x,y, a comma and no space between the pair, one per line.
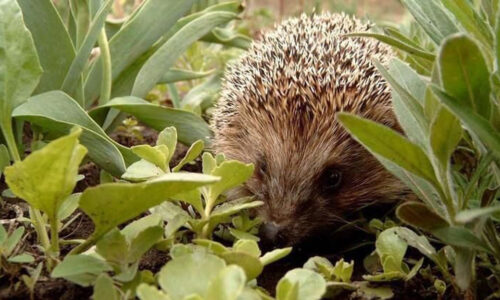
262,167
330,180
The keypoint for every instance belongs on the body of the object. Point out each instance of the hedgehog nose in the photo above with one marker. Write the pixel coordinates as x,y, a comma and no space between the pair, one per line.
272,234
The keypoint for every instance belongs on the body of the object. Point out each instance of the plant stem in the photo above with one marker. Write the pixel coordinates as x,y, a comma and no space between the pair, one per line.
39,224
9,138
54,236
83,246
106,68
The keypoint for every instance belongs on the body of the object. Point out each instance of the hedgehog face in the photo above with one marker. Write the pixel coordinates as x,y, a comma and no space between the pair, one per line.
277,110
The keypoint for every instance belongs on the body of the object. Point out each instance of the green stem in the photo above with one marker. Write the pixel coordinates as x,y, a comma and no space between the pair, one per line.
39,224
174,95
83,246
106,68
54,236
9,138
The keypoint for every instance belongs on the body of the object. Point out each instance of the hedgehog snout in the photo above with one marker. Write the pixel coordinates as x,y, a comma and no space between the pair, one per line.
273,235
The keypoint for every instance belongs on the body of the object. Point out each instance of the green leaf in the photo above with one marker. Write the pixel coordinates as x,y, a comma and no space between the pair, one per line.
407,98
132,230
251,264
193,152
233,207
385,142
232,174
125,201
228,37
431,16
473,121
190,127
228,285
419,215
247,246
48,30
181,276
465,75
399,44
104,289
114,248
175,75
419,242
144,241
165,57
213,246
68,207
22,259
464,267
311,286
469,18
275,255
148,292
81,269
20,69
470,215
11,242
154,155
141,171
461,237
343,270
390,245
136,37
58,113
380,292
204,95
74,75
48,176
446,133
168,137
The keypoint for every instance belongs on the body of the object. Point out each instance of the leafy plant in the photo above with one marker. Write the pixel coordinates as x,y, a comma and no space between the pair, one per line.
447,103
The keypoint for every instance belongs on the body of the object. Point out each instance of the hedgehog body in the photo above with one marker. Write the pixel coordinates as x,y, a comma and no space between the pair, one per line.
277,110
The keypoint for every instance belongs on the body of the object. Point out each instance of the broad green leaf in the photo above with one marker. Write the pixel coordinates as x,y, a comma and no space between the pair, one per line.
419,242
399,44
143,242
193,152
141,171
214,247
165,57
380,292
465,75
343,270
390,245
148,292
54,47
190,127
275,255
82,269
288,290
133,229
470,215
233,207
208,163
104,289
74,75
153,155
175,75
168,137
432,17
419,215
228,285
251,264
136,37
247,246
181,276
408,99
473,121
392,146
465,13
114,248
21,259
320,265
174,225
228,37
232,174
48,176
464,267
446,133
3,234
311,286
20,69
58,113
461,237
125,201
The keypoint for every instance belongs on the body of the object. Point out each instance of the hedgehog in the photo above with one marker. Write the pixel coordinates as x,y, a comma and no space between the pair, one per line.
277,110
